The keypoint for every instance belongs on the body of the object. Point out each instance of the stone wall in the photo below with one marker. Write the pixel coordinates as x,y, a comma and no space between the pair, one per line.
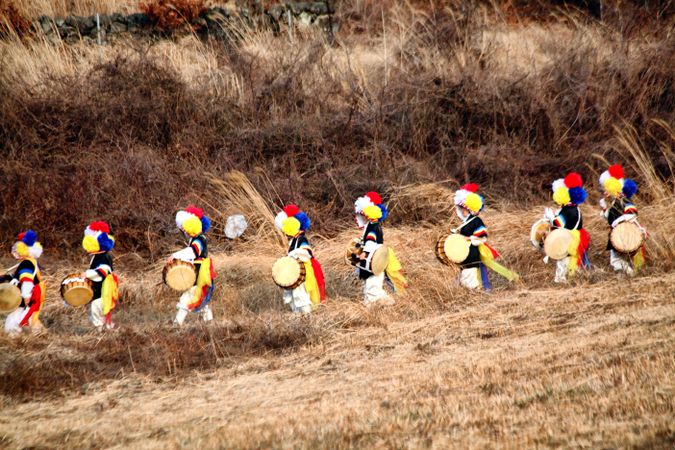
216,22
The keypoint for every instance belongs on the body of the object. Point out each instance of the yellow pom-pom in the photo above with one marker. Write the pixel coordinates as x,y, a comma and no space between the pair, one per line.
613,186
291,226
473,202
192,226
90,244
562,196
21,249
372,212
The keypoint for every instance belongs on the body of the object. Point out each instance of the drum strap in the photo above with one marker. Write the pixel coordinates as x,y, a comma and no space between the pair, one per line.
576,225
465,223
8,270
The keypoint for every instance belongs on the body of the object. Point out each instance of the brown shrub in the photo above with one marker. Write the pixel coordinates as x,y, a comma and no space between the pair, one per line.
172,15
12,20
130,141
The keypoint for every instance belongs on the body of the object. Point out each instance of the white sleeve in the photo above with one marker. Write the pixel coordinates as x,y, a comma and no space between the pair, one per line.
93,275
476,241
26,289
370,246
300,254
623,218
187,254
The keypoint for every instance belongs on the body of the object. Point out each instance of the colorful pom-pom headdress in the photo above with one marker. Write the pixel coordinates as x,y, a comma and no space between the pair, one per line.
569,190
371,207
27,245
192,221
292,221
97,238
614,182
467,197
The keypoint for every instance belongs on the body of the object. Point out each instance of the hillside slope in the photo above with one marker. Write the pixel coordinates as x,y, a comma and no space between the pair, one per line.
585,366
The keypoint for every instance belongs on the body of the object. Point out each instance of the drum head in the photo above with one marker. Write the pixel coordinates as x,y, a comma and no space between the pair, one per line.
539,231
557,243
456,248
78,295
10,297
626,237
180,275
288,272
380,260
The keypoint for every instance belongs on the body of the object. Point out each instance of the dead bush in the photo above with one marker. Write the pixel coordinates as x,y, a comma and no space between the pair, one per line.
12,20
170,15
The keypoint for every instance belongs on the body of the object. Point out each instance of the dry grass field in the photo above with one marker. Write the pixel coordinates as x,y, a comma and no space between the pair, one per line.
588,364
412,99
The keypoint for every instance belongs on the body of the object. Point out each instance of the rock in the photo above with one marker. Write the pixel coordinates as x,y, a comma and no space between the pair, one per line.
118,27
216,15
138,20
299,7
86,24
46,24
276,11
319,8
305,19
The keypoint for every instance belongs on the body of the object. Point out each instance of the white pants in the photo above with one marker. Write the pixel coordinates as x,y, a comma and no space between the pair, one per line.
183,310
298,299
373,292
561,268
470,278
620,262
96,316
13,320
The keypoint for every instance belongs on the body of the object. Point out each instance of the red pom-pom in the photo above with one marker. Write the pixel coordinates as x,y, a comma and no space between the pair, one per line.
374,197
100,226
21,235
573,180
471,187
291,210
192,209
616,171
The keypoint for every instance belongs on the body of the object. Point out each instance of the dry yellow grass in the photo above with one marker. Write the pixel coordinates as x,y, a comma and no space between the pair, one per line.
63,8
589,364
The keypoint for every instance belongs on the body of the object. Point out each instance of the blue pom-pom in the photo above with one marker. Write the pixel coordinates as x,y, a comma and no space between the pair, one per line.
577,195
629,188
304,220
206,224
385,213
29,238
105,244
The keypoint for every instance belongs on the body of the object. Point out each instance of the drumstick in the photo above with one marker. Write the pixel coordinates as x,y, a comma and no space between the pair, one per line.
11,268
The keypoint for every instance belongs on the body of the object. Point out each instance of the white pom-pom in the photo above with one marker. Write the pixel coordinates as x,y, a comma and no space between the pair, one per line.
89,232
235,226
181,217
279,219
557,184
361,203
35,251
460,196
604,177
